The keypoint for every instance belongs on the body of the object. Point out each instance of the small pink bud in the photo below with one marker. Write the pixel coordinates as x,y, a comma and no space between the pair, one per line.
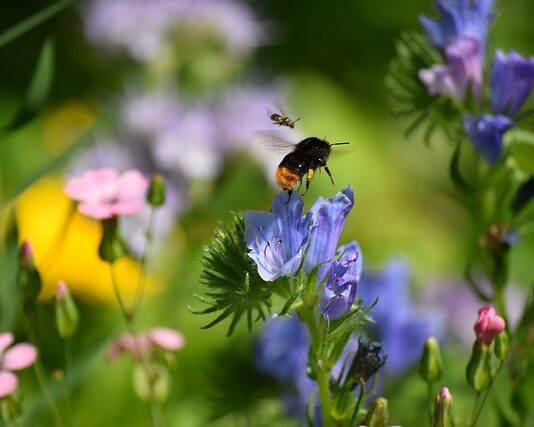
26,253
61,290
444,394
488,325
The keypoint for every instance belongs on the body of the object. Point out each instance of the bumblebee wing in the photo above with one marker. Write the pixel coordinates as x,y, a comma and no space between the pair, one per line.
276,141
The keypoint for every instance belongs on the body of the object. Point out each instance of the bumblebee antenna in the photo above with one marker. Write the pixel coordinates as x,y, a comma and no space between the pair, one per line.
340,143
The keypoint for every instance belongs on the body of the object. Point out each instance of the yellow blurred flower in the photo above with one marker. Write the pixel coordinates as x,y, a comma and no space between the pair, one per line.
65,245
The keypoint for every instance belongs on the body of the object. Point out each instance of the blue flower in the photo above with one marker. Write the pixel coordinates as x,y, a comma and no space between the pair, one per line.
401,327
512,80
486,133
342,281
461,32
328,218
277,240
458,19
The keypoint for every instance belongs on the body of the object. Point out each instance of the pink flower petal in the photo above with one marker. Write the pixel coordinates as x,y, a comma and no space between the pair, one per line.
131,184
127,207
488,325
6,339
19,356
100,211
8,383
166,338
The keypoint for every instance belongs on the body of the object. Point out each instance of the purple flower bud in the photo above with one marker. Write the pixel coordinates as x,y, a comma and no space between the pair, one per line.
485,132
512,80
26,253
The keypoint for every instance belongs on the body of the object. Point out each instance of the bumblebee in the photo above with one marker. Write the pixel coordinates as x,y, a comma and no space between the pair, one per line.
307,156
280,120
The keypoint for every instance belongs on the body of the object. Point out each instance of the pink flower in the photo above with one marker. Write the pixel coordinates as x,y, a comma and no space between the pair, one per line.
145,343
104,193
488,325
19,356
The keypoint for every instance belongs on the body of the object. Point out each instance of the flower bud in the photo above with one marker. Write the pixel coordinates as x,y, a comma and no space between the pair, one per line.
10,408
67,315
502,346
156,191
112,246
377,415
430,366
488,325
478,372
29,279
443,409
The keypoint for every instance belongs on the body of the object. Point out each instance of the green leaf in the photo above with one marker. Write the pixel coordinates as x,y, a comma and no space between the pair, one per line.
39,88
33,21
457,178
234,287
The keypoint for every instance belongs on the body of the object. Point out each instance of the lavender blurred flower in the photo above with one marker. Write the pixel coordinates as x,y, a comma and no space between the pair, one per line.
329,218
461,32
146,29
401,327
277,240
342,280
512,80
464,66
486,132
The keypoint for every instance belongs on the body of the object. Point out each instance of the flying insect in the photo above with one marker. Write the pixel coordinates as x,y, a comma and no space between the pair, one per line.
306,157
282,120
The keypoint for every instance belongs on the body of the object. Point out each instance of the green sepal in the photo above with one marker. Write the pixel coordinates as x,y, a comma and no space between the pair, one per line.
430,366
444,412
112,246
10,408
478,371
461,184
28,279
377,415
502,346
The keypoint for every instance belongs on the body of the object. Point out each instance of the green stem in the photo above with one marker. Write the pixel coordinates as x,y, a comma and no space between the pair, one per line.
479,411
500,302
474,412
39,368
142,265
66,379
321,374
154,410
430,402
359,402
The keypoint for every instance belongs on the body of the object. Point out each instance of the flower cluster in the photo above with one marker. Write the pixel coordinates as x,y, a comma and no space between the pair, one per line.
460,33
284,240
147,29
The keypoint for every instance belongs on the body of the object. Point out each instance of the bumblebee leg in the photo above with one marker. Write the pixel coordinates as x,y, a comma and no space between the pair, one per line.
289,192
329,174
309,177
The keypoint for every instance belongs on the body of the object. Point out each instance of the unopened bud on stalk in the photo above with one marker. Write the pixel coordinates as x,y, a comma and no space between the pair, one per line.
377,415
156,191
67,315
443,409
112,246
478,372
29,279
431,365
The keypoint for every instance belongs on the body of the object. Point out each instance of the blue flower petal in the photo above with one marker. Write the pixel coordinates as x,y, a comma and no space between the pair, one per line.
512,80
485,132
277,240
328,218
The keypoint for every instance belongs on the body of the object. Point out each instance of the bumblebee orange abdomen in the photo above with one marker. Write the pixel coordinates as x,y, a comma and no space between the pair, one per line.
286,178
